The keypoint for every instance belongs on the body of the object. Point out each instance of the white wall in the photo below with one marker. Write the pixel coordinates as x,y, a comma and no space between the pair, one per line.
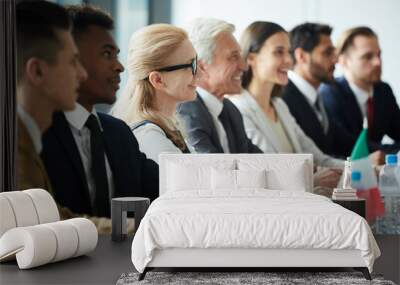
383,16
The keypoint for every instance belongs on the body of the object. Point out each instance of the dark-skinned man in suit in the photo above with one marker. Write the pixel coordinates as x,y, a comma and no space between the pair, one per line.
92,157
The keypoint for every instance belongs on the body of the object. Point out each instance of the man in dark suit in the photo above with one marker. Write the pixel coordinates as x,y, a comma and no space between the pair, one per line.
314,62
92,157
213,124
361,93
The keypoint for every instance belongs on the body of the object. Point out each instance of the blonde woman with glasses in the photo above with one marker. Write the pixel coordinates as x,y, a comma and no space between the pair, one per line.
162,66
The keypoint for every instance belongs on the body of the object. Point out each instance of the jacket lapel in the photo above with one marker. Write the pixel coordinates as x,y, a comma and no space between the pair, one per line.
63,132
260,120
207,116
284,117
27,148
353,112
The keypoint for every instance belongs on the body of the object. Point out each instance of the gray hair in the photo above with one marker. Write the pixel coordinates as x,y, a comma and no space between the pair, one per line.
203,33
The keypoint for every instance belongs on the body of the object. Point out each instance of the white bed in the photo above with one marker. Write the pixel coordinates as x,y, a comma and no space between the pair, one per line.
200,220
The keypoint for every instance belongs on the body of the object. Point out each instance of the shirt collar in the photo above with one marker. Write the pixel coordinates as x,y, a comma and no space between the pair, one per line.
78,117
32,127
361,95
212,103
304,86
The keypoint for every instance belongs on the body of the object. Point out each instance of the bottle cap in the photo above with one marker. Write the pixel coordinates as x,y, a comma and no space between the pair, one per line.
391,159
355,175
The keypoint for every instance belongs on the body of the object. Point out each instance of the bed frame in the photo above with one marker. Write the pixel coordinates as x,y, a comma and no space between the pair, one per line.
248,259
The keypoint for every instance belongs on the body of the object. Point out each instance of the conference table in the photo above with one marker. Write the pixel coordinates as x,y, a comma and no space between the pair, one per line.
110,259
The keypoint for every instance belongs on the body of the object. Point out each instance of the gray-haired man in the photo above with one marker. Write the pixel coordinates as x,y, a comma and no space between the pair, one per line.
213,124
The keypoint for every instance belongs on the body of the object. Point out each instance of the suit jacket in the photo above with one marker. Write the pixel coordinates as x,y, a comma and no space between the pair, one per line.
261,132
133,173
31,172
334,141
202,133
342,107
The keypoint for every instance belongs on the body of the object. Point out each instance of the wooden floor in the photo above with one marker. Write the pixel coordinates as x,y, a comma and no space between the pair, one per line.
389,262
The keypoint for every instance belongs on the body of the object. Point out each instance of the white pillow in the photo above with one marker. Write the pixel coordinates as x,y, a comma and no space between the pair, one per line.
184,177
251,178
281,174
188,176
225,179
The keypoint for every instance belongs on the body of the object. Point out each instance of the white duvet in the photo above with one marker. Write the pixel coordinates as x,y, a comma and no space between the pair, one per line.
250,219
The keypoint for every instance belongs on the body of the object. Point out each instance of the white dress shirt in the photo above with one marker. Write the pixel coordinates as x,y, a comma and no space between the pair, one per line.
32,128
215,106
153,141
77,120
362,97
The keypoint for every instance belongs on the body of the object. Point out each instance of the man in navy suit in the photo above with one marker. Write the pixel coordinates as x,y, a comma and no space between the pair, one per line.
91,157
361,93
314,62
213,124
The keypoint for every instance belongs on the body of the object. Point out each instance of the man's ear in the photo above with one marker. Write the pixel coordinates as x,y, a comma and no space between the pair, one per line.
203,67
342,60
36,70
301,56
156,80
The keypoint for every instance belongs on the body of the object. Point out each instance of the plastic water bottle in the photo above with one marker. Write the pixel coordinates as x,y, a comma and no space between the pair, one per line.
390,190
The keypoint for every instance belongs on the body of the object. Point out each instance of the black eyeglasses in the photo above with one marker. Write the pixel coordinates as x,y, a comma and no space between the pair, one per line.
192,65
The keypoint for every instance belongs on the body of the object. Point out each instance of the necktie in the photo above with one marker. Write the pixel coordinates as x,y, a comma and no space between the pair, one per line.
370,113
100,201
321,114
226,123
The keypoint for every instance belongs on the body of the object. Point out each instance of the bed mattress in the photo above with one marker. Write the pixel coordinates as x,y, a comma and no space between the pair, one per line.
250,219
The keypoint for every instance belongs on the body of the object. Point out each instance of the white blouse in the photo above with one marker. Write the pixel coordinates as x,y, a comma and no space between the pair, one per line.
262,134
153,141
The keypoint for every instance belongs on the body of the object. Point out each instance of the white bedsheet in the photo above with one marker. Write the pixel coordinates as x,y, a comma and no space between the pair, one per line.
250,219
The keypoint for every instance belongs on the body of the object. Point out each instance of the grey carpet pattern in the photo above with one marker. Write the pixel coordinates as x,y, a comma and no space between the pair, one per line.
269,278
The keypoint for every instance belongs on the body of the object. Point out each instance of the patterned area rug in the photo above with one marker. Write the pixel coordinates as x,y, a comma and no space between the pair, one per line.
229,278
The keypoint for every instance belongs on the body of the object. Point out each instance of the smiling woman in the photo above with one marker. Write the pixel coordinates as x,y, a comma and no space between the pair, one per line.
162,66
267,119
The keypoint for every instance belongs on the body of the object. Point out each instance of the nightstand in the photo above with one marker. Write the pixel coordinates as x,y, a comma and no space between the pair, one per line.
356,205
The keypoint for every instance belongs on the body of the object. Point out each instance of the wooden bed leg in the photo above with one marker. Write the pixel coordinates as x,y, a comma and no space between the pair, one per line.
143,274
365,272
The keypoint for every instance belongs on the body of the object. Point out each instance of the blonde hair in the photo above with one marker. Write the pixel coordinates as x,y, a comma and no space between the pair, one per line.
149,48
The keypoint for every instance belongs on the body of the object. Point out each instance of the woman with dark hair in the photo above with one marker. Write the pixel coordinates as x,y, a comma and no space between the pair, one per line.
267,119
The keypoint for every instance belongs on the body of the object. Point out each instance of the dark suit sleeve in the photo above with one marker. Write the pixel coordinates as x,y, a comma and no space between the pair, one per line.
394,128
147,168
344,139
334,106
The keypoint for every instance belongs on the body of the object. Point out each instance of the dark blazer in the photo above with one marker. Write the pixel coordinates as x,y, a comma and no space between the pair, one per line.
133,173
342,107
334,142
202,133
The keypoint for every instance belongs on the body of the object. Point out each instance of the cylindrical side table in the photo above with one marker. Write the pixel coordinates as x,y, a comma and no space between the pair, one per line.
119,209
